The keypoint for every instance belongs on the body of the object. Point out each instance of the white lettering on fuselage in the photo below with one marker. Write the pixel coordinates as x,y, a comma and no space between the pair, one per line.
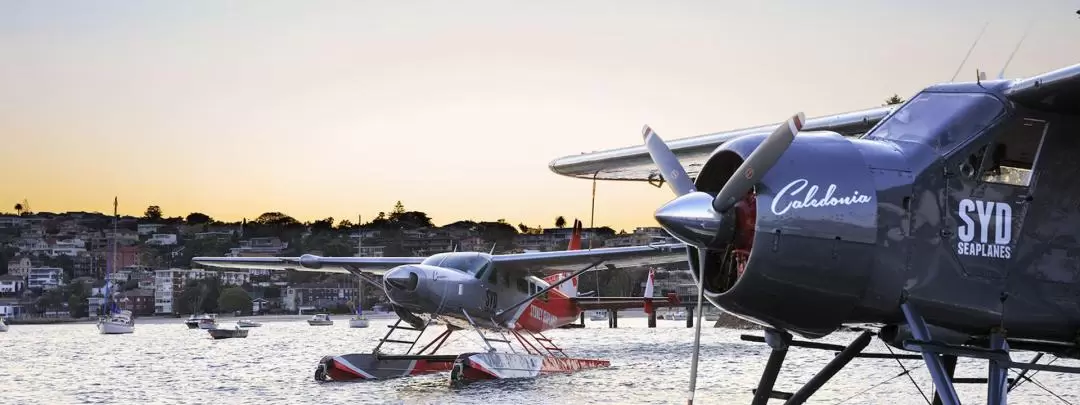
788,198
541,315
1000,213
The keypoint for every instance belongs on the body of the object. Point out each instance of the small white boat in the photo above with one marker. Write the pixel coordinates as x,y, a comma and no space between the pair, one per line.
116,324
247,323
193,321
225,333
675,315
3,326
358,320
599,315
207,323
320,320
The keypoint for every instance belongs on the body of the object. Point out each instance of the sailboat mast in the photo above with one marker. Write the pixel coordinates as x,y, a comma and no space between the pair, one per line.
360,253
116,220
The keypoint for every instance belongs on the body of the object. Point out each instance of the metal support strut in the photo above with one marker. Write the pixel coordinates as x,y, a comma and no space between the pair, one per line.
778,341
830,369
942,383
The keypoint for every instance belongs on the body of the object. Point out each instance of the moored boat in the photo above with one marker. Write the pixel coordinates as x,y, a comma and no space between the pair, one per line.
320,320
226,333
116,324
358,320
193,321
207,323
247,323
3,326
598,315
114,321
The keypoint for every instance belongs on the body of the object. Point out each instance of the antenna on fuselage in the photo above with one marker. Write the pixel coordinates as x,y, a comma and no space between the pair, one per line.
962,62
1001,74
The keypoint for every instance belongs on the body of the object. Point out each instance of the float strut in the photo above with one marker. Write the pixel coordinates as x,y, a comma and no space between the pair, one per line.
830,369
942,383
950,370
997,380
778,341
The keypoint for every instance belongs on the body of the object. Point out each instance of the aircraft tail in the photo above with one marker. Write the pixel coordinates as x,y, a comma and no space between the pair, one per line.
570,288
575,237
649,293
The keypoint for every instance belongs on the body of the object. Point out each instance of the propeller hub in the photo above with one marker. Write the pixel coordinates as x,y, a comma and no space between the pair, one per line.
691,219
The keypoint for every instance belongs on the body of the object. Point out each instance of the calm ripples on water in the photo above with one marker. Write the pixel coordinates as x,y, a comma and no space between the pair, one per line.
164,362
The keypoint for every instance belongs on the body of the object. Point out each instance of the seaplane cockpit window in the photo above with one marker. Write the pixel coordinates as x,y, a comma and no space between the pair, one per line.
1012,157
942,121
468,262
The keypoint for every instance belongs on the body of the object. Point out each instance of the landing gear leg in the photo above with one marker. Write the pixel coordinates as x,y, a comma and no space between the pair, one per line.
942,383
778,341
834,366
998,377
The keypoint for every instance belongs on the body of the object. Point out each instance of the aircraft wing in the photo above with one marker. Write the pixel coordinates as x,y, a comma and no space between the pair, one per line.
633,162
1056,91
571,260
591,303
344,265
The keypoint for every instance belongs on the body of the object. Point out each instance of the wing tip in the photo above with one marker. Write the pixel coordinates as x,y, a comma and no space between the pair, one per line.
646,131
798,121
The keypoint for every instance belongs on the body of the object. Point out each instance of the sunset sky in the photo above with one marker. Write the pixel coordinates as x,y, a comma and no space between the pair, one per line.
341,108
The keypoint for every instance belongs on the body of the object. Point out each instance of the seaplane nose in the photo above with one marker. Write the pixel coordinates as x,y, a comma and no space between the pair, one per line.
691,219
402,278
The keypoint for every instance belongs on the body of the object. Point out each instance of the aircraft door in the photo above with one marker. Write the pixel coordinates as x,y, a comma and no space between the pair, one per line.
988,195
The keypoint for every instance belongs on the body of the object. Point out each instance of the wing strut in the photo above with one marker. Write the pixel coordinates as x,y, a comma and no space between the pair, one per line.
548,288
592,211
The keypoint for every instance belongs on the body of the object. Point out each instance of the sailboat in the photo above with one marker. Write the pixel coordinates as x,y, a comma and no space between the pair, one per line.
358,320
114,322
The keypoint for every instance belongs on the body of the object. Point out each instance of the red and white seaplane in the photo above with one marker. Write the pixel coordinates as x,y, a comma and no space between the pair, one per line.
493,295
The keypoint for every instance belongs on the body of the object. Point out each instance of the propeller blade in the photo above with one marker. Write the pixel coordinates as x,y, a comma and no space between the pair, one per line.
670,169
702,256
758,163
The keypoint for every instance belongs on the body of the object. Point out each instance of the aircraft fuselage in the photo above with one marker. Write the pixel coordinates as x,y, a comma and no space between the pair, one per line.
475,286
927,207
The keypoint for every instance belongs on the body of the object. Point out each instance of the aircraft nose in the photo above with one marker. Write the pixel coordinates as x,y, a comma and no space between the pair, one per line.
404,278
692,220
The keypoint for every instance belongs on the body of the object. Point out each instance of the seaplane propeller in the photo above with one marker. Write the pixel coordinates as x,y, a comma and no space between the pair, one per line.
706,222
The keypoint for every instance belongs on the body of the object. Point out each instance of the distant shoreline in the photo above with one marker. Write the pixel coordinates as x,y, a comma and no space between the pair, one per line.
170,319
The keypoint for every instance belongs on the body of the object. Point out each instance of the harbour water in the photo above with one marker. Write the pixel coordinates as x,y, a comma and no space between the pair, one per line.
164,362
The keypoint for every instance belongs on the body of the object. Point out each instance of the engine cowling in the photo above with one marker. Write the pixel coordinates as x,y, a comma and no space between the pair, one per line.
804,242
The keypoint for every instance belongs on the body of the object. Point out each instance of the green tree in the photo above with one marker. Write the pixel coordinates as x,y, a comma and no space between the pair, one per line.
399,209
346,225
78,307
325,224
560,222
234,299
895,99
197,218
152,213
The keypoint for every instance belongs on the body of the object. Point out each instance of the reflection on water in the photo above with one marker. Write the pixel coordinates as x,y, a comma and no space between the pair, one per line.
164,362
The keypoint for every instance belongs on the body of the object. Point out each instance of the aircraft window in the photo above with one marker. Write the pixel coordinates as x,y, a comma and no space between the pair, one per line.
492,275
1013,155
468,262
523,285
940,120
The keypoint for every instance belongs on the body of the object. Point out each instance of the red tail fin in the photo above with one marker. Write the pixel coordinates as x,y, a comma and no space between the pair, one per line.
570,288
575,237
